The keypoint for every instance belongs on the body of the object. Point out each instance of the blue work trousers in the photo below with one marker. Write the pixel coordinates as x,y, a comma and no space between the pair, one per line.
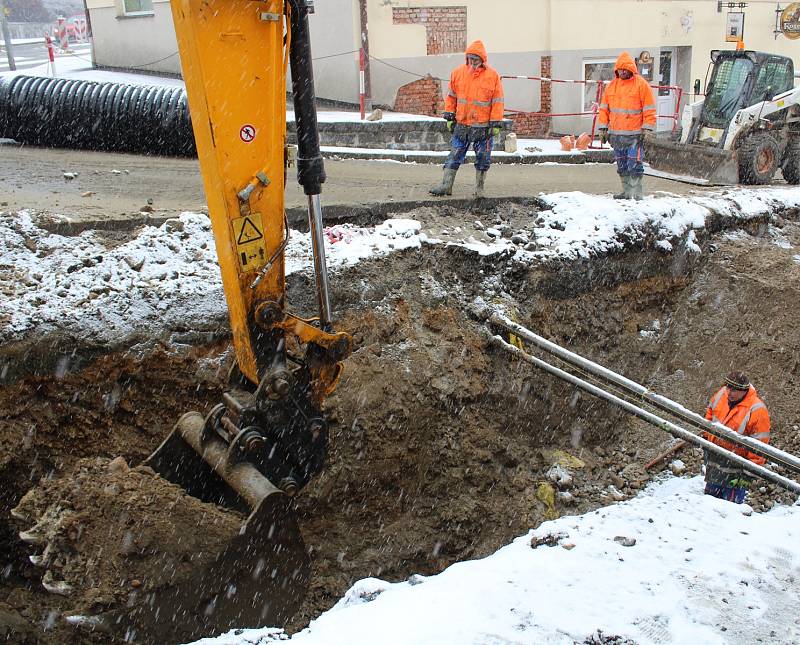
458,151
628,154
728,493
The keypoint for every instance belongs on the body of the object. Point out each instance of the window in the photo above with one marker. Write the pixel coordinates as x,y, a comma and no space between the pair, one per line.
724,96
665,72
596,70
774,77
135,7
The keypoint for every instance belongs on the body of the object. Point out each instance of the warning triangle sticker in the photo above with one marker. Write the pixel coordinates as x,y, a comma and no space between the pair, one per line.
249,232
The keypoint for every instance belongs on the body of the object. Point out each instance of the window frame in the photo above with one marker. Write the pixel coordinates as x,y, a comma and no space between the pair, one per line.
593,61
143,13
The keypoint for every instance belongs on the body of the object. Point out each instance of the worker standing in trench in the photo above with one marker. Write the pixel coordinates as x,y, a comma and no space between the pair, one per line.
736,405
627,111
474,114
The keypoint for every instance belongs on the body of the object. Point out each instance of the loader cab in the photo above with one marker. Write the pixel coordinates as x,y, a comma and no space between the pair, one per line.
740,79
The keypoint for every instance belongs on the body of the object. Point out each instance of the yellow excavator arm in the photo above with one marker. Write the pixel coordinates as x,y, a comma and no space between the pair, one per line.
234,56
268,437
233,62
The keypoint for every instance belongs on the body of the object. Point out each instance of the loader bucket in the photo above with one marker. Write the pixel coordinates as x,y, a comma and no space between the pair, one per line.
261,578
691,163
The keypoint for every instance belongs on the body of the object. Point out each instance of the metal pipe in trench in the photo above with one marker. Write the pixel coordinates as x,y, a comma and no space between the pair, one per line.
651,418
772,453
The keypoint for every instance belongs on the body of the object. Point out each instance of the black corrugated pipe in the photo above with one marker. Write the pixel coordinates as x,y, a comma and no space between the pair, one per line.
58,112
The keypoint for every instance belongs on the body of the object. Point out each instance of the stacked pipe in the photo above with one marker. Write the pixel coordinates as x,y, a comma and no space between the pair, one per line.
633,397
58,112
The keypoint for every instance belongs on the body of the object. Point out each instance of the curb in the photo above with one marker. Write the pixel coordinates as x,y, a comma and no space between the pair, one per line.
590,156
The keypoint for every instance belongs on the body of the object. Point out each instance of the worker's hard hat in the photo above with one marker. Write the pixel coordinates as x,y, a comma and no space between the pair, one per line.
740,46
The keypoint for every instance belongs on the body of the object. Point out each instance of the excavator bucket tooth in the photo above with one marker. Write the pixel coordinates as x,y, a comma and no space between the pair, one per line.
691,163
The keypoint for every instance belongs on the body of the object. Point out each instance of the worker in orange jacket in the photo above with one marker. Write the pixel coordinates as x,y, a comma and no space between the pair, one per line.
474,114
627,111
736,405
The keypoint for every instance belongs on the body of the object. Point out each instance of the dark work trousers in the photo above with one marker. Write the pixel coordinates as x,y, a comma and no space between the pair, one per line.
628,154
458,151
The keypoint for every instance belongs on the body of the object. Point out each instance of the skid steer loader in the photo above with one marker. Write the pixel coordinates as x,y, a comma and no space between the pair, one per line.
267,438
747,126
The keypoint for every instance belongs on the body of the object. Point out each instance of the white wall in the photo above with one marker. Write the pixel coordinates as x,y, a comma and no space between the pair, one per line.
149,43
516,32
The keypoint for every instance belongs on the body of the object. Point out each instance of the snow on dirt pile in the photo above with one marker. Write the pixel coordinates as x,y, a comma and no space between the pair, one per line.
650,570
166,280
109,536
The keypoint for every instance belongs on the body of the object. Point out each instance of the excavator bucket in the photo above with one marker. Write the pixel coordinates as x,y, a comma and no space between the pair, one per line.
691,163
139,559
265,569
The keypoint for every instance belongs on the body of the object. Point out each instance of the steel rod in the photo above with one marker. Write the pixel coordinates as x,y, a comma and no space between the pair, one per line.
651,418
774,454
320,266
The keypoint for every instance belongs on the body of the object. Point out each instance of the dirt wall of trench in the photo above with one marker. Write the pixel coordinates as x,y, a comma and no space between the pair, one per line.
439,445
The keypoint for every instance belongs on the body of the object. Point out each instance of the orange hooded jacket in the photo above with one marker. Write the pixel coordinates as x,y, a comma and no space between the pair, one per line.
628,106
749,417
475,96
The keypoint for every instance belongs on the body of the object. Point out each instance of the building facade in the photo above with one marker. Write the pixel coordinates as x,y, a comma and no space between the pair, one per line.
412,43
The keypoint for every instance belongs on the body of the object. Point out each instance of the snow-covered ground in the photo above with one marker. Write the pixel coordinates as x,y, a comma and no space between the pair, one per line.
167,278
77,64
668,566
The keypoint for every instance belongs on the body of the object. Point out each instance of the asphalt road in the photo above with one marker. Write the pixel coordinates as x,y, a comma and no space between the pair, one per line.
34,178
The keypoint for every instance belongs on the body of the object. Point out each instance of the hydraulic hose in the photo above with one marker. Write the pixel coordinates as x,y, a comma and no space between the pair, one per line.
310,167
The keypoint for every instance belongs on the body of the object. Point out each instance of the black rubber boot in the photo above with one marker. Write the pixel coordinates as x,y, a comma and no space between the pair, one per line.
480,183
446,187
627,188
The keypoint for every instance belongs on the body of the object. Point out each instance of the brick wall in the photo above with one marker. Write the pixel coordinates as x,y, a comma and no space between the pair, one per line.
445,27
420,97
534,124
546,104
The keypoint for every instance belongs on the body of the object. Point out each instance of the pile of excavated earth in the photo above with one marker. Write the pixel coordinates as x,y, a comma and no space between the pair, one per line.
441,448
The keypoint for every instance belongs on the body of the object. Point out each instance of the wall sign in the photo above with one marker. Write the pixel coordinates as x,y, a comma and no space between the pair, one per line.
790,21
734,28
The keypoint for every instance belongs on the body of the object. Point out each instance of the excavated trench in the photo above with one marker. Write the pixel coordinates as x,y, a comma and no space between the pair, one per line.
441,448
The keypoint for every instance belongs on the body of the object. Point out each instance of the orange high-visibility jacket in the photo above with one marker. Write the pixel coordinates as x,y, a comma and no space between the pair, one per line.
628,106
475,96
749,417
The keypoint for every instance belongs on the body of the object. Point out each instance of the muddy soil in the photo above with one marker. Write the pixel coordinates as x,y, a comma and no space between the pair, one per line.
441,448
109,536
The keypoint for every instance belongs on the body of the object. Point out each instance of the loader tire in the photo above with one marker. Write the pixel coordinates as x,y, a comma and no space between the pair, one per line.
759,157
791,162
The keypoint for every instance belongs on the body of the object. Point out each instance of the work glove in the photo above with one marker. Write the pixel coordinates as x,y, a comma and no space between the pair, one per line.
451,125
451,120
741,482
603,136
